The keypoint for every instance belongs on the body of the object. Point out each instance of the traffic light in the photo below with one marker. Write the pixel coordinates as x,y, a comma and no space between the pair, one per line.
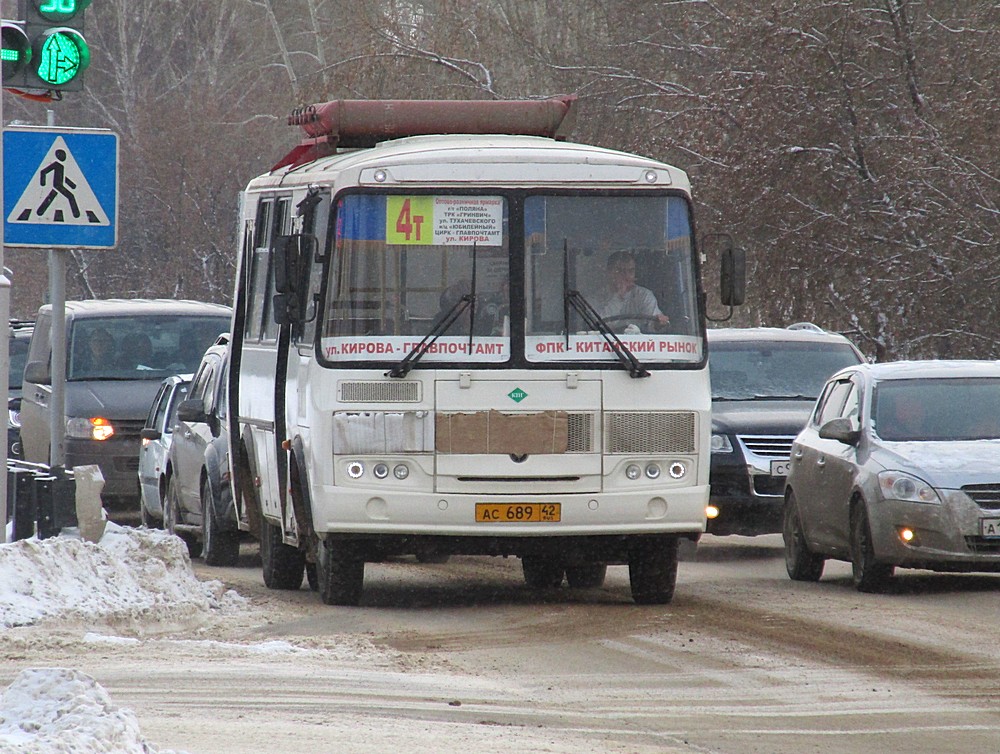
15,51
59,53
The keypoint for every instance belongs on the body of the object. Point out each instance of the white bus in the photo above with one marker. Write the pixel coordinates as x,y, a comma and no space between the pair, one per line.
439,348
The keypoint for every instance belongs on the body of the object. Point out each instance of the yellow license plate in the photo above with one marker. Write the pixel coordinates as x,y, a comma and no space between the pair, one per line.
514,513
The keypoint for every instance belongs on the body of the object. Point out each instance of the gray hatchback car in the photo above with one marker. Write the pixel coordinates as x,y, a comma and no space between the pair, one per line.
898,466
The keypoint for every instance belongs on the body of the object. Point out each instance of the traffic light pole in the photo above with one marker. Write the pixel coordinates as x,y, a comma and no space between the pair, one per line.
5,351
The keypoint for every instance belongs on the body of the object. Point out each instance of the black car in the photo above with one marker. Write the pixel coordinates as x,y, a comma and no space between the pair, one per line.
765,382
20,339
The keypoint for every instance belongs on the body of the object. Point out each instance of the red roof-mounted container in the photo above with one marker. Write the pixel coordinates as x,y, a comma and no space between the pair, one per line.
355,124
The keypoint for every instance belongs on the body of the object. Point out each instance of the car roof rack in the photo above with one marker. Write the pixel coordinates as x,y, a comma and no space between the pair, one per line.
805,326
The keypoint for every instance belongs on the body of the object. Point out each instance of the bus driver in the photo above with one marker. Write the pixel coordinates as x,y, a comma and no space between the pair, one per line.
623,298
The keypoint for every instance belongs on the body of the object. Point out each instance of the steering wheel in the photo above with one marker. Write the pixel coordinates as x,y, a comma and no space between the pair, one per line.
632,318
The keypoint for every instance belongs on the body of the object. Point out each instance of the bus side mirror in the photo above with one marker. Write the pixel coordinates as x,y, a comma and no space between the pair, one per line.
733,276
285,307
286,263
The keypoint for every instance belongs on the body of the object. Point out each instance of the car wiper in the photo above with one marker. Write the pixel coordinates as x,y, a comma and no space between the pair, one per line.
447,320
596,322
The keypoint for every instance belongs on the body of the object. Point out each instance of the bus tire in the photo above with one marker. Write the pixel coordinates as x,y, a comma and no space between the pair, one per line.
652,570
341,572
541,572
283,564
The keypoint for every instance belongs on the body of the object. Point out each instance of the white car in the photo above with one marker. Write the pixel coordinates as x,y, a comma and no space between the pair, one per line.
156,435
899,465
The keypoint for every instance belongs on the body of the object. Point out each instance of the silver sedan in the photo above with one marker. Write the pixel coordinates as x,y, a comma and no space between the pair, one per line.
899,465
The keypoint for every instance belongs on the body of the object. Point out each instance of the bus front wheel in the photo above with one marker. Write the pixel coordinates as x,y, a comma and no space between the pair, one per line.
341,572
652,569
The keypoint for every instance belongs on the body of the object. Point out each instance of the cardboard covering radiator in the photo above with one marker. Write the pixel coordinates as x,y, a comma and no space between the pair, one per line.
495,432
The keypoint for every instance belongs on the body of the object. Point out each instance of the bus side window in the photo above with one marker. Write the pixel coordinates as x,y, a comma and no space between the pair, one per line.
258,272
281,226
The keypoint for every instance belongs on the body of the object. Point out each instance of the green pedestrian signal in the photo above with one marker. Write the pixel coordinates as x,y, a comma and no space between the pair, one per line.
58,53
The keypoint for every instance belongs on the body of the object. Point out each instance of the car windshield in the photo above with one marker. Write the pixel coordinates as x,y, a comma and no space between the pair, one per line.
139,347
755,370
937,409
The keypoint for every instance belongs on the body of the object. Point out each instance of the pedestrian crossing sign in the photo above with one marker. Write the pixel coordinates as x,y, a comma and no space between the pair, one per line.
60,188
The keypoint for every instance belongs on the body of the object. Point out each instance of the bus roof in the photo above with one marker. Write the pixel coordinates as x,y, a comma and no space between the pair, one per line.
458,160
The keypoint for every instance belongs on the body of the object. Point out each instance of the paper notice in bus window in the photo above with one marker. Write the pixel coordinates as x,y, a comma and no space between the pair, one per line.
444,220
593,347
396,347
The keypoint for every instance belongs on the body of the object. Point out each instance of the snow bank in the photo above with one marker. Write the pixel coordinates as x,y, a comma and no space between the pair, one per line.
134,579
57,711
137,580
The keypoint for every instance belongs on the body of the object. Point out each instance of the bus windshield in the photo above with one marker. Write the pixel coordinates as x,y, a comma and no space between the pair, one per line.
402,264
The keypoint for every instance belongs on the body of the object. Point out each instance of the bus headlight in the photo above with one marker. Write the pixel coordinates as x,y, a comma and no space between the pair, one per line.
401,471
677,469
380,470
633,472
652,471
355,469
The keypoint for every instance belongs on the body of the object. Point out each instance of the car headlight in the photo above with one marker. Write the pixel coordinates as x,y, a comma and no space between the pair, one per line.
721,444
14,418
89,428
896,485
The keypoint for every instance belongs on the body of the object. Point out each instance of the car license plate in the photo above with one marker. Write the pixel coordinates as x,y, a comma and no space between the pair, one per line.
780,468
505,513
990,527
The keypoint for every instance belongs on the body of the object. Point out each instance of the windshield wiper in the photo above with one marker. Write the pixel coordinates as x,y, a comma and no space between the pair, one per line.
596,322
447,320
468,301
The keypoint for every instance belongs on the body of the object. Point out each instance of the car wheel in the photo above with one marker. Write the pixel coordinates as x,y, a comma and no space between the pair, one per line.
283,564
586,575
801,564
171,518
652,570
868,574
542,572
220,547
341,572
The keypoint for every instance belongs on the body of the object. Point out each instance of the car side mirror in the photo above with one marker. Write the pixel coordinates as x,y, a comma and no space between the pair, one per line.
38,373
191,410
150,433
841,430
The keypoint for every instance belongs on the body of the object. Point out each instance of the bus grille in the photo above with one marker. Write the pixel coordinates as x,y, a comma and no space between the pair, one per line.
635,432
581,433
379,392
